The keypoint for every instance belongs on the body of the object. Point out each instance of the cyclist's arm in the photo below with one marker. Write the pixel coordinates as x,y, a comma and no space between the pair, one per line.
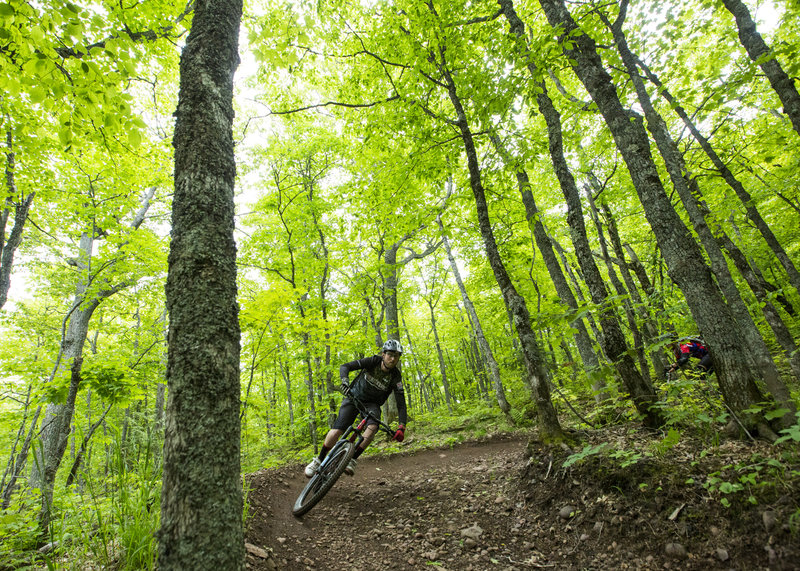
684,356
400,397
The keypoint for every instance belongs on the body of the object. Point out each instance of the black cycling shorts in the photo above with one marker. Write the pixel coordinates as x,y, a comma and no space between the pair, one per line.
348,413
706,363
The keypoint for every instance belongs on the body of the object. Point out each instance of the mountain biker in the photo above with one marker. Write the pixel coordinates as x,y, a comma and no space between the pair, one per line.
687,348
379,377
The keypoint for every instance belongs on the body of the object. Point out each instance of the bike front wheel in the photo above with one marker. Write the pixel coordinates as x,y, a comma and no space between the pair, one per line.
323,480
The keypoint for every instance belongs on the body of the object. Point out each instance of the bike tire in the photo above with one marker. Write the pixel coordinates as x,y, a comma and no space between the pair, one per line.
325,477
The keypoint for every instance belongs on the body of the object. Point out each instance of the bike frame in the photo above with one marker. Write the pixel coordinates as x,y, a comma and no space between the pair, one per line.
355,433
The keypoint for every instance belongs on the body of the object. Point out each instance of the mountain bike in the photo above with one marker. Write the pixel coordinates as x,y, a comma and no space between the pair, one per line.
337,459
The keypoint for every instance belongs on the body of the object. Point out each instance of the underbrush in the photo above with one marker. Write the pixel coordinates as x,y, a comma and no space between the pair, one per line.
735,474
100,522
110,522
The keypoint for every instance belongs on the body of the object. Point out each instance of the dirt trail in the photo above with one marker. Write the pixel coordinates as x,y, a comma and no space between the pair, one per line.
485,505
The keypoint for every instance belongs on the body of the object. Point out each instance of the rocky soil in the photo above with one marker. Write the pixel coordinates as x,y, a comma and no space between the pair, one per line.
507,503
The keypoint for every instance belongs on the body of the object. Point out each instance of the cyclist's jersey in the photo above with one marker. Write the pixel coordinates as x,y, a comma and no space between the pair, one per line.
374,385
691,349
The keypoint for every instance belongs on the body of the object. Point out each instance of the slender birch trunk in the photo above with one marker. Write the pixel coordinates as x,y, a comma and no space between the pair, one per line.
537,375
583,341
486,350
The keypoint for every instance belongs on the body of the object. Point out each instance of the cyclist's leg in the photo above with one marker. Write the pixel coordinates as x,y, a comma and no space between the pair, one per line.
371,429
706,365
332,437
347,414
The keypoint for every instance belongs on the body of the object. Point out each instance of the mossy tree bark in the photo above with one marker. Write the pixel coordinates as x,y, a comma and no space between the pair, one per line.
201,508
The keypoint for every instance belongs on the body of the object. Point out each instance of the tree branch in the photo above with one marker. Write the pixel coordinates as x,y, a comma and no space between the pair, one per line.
334,104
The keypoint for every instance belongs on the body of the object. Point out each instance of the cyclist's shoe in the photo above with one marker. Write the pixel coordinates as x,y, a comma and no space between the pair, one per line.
312,467
351,467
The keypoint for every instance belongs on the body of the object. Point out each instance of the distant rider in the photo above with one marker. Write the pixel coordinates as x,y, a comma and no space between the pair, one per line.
687,349
379,378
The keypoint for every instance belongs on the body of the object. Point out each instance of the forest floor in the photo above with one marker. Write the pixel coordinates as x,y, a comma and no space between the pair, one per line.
507,502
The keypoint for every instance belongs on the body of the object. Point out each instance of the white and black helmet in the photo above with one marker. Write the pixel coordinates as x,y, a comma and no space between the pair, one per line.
393,345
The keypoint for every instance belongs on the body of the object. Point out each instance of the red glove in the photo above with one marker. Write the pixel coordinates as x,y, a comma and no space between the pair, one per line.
400,434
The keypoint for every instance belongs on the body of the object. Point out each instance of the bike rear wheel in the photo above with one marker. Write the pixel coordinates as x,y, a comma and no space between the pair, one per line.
325,477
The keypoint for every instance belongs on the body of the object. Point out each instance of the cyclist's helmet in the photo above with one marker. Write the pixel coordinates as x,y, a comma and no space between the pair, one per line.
393,345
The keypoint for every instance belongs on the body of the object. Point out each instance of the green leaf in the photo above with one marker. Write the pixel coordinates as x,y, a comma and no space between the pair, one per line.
38,94
134,137
773,414
65,135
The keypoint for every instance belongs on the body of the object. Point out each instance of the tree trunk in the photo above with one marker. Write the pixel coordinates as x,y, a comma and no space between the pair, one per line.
681,253
514,302
736,185
9,248
677,170
58,417
58,429
583,341
782,333
761,54
625,294
391,305
309,378
21,208
650,328
202,503
486,350
287,381
576,284
17,465
410,348
73,472
440,356
392,320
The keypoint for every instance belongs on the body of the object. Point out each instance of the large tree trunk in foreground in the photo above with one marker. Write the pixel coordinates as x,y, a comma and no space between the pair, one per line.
681,253
201,506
